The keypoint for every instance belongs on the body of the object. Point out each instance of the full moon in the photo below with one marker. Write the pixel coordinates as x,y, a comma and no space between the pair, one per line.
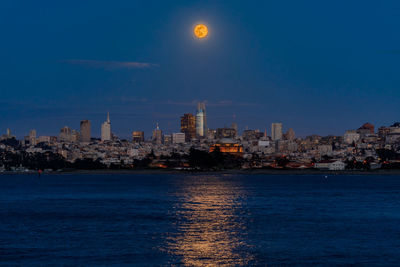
200,31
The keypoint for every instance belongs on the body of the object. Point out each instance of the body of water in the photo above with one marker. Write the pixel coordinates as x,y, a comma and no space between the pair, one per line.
199,220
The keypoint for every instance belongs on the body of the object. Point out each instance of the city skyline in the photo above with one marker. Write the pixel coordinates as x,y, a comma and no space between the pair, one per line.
104,133
260,63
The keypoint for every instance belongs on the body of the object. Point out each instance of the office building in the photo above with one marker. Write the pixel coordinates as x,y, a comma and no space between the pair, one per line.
202,106
157,135
65,134
85,131
276,131
32,138
188,126
200,123
106,129
178,138
137,136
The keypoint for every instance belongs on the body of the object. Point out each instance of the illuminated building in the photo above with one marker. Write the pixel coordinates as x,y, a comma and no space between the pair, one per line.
85,131
137,136
188,126
200,123
276,131
202,106
157,135
178,138
226,133
227,145
106,129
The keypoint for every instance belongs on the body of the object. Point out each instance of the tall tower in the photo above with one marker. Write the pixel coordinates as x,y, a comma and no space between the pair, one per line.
203,107
157,135
199,121
106,129
276,131
65,134
32,137
85,131
188,126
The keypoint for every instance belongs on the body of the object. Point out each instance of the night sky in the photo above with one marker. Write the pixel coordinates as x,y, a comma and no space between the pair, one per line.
319,67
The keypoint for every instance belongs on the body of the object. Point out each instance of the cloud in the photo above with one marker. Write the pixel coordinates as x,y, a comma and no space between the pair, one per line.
110,65
222,103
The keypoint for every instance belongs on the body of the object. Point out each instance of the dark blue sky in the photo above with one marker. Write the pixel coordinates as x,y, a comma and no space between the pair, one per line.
318,67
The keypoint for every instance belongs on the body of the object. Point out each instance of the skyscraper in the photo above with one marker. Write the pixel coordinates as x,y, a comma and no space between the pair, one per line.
137,136
276,131
65,134
85,131
106,129
200,123
202,106
32,137
188,126
157,135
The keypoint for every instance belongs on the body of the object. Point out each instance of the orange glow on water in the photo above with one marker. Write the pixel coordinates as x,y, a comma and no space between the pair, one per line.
211,232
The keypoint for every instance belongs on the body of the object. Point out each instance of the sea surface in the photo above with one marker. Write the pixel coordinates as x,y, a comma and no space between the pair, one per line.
199,220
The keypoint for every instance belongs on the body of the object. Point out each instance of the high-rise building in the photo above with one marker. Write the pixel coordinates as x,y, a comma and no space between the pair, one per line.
290,135
137,136
85,131
202,106
65,134
276,131
157,135
188,126
199,121
32,137
106,129
178,138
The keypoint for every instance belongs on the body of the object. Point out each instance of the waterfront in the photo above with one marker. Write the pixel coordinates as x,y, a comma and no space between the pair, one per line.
199,219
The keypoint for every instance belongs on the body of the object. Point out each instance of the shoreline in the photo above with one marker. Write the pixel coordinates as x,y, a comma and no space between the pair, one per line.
208,172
